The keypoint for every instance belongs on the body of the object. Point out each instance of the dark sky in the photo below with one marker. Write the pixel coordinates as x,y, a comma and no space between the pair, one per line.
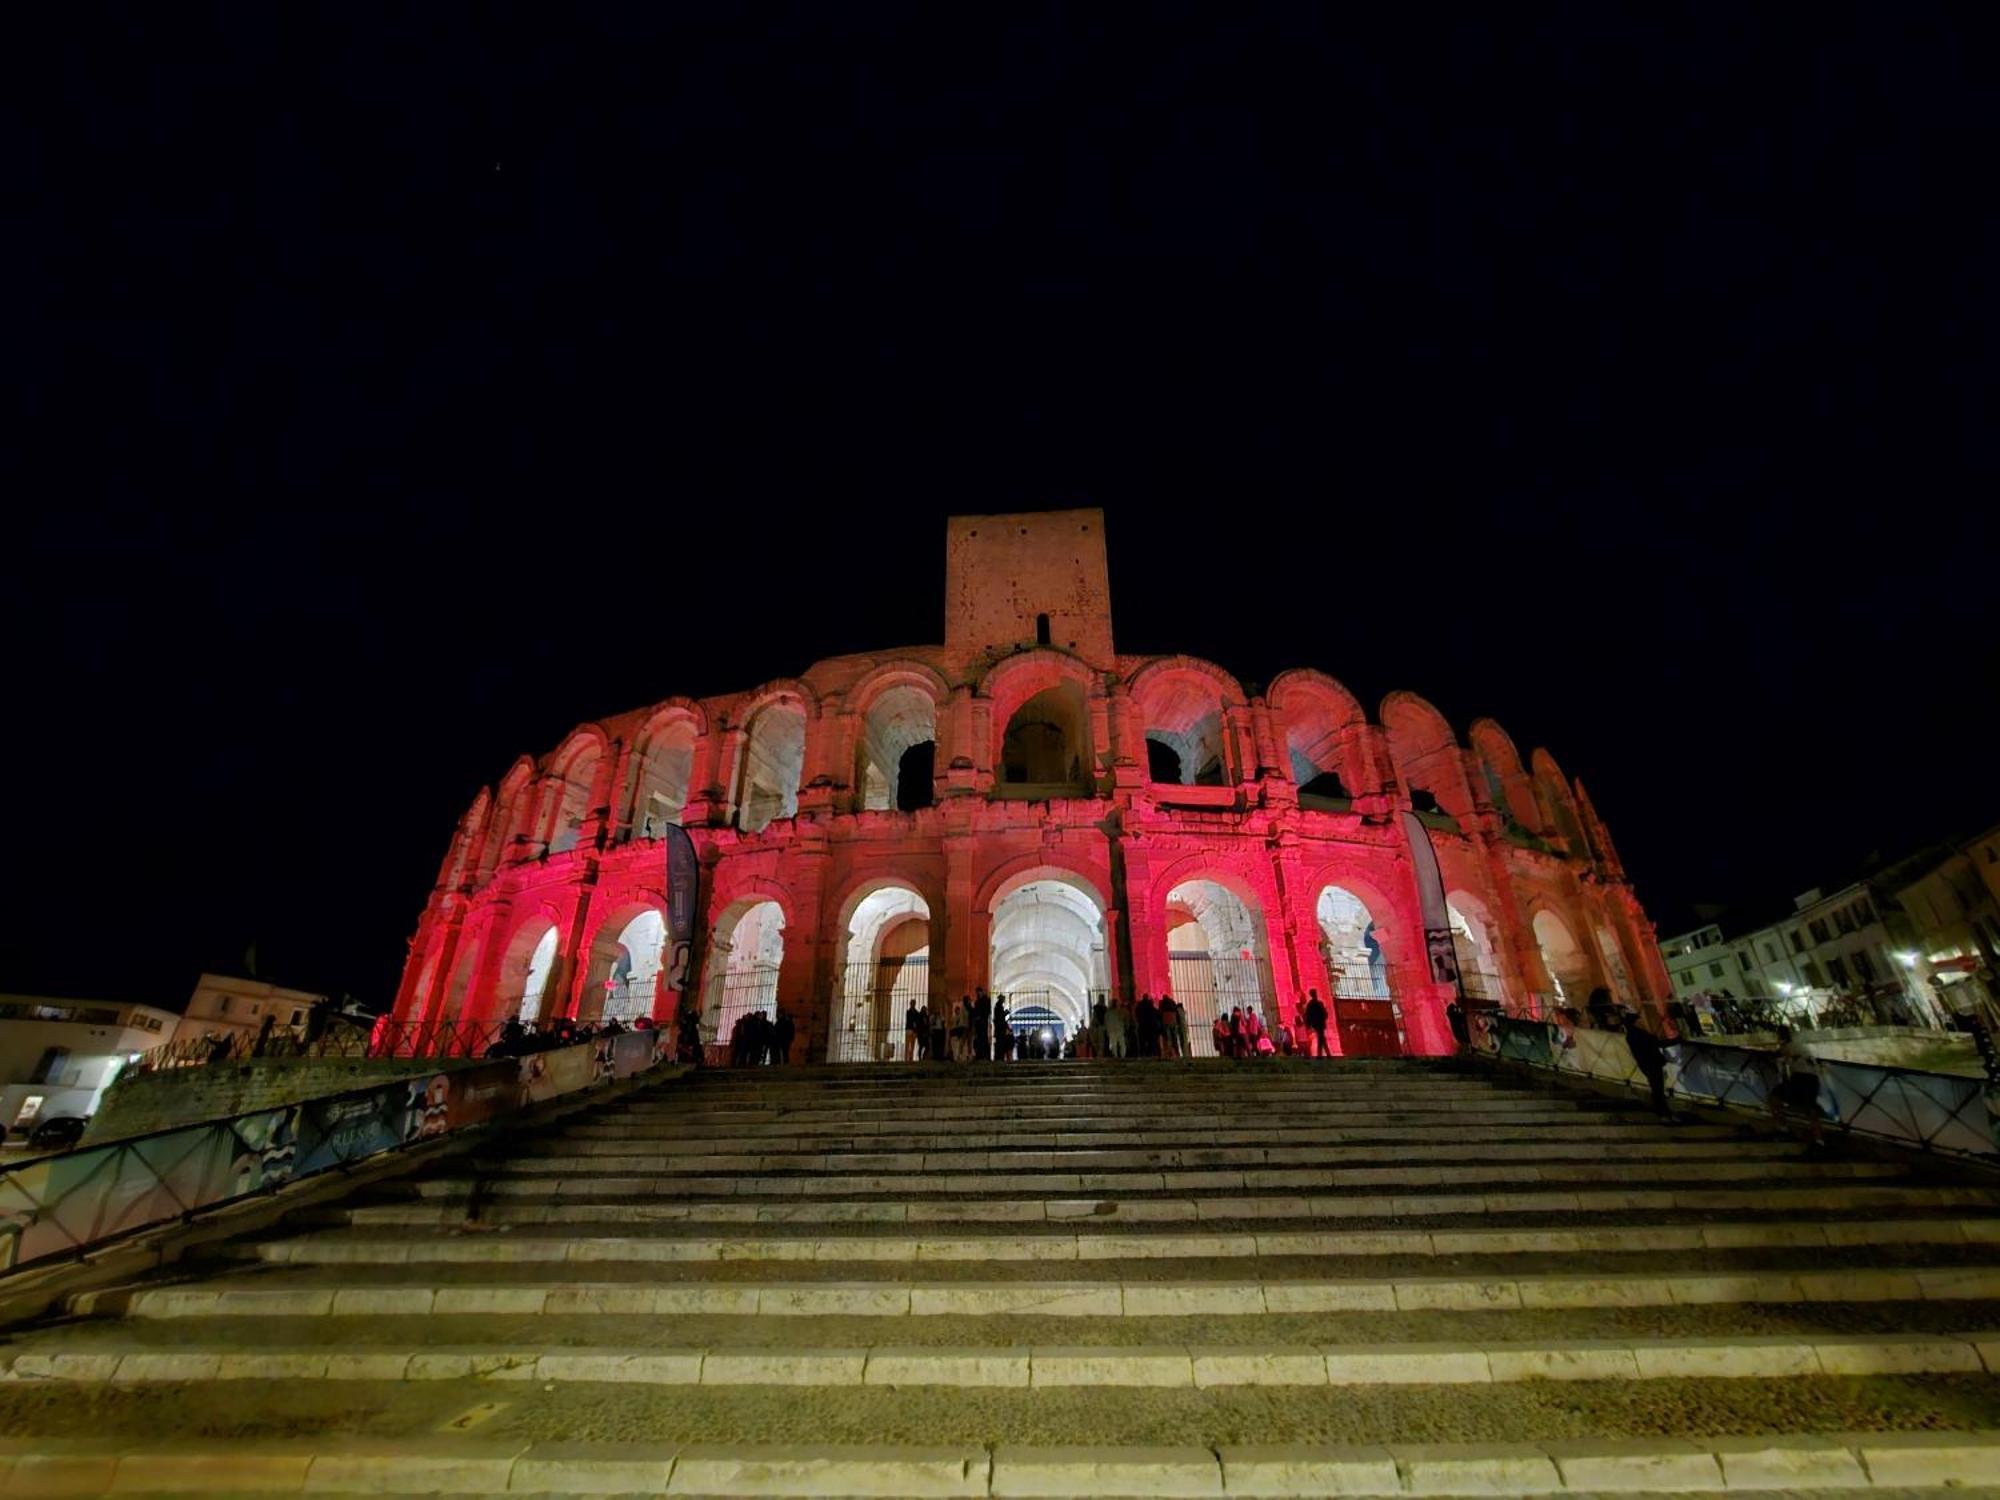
401,389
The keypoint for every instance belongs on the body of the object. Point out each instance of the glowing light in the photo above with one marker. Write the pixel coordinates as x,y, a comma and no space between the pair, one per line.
1907,959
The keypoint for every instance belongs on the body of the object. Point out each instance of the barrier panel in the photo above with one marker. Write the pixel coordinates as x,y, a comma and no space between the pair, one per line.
70,1203
1930,1111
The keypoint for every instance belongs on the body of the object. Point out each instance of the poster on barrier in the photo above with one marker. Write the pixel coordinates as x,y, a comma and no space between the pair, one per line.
1602,1054
1728,1075
636,1051
1525,1041
1938,1111
544,1075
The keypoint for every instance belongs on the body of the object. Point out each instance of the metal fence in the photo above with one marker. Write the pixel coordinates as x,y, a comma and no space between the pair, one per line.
743,991
1206,992
1929,1111
78,1200
875,1001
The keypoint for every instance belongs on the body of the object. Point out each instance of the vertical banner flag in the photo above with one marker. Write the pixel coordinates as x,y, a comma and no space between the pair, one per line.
683,884
1438,945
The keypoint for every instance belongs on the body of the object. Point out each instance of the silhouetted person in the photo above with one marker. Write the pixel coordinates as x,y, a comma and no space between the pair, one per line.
1003,1031
1316,1023
982,1027
1652,1061
782,1032
1461,1033
1147,1024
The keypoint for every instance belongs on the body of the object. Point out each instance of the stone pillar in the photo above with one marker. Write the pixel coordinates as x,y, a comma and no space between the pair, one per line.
805,975
959,962
618,822
1145,924
1128,764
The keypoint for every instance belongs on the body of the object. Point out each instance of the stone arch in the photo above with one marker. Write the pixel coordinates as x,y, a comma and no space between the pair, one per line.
1552,788
527,982
1048,944
745,953
1324,728
1507,785
471,829
1231,967
772,764
663,767
625,950
884,966
1566,961
1184,706
513,815
1426,754
1477,939
1042,740
1356,961
571,795
895,709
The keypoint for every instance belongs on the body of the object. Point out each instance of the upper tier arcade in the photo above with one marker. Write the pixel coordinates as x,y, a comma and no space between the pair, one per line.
1024,808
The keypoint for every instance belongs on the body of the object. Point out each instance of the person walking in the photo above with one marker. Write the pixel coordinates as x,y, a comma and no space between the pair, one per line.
1652,1062
913,1032
1316,1024
1003,1031
1100,1028
782,1032
1797,1088
982,1027
1171,1025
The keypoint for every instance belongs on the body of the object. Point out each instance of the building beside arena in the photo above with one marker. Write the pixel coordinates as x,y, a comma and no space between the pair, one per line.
1025,809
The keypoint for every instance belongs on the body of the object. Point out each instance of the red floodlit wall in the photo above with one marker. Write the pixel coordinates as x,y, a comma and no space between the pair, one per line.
569,841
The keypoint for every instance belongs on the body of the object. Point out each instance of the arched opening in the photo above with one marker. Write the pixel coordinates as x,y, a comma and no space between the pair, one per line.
1478,963
1046,749
1183,714
660,789
512,817
1323,727
1048,955
1507,785
1216,959
1041,630
745,953
1364,1011
534,964
1568,965
1553,789
625,966
1427,756
570,798
898,742
1619,977
887,971
774,758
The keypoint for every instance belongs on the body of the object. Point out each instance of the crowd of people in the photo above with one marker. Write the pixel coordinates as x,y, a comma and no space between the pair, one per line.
517,1039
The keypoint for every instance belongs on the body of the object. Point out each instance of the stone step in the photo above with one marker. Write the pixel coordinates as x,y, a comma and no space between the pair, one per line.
556,1157
273,1296
959,1108
589,1136
351,1248
1149,1365
1823,1463
513,1178
455,1196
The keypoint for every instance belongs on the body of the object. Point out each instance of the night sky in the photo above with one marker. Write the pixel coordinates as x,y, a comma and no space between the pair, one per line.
399,390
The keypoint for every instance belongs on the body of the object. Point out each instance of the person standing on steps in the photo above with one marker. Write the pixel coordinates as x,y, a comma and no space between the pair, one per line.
1461,1032
1172,1028
1147,1019
982,1027
1115,1019
1100,1029
913,1032
782,1033
1003,1031
935,1050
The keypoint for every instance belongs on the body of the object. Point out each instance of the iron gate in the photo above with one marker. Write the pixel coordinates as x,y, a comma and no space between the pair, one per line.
875,999
1204,995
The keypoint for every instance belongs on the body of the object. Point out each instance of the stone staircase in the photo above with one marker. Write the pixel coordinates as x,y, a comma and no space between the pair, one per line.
1062,1279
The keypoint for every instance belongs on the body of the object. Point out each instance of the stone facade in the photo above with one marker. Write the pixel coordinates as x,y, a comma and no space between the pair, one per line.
1023,808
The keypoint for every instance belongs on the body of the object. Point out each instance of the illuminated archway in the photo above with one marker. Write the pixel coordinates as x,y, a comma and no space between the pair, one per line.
893,767
1478,962
665,767
540,963
1568,965
625,966
885,973
774,758
745,952
1216,958
1049,948
1046,749
1355,963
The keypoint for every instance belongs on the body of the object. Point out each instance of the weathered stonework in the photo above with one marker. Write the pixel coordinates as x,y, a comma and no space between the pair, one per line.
814,793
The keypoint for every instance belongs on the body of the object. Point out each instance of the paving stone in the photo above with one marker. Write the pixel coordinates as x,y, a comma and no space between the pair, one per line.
1799,1461
921,1366
593,1468
1263,1364
1112,1365
911,1472
245,1467
1957,1459
1654,1465
1498,1469
1109,1473
1292,1471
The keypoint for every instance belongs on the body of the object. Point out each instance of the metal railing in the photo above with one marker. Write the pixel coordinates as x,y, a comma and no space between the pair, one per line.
1946,1112
78,1200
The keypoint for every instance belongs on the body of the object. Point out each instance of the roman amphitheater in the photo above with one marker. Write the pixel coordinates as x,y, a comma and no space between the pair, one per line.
1024,808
